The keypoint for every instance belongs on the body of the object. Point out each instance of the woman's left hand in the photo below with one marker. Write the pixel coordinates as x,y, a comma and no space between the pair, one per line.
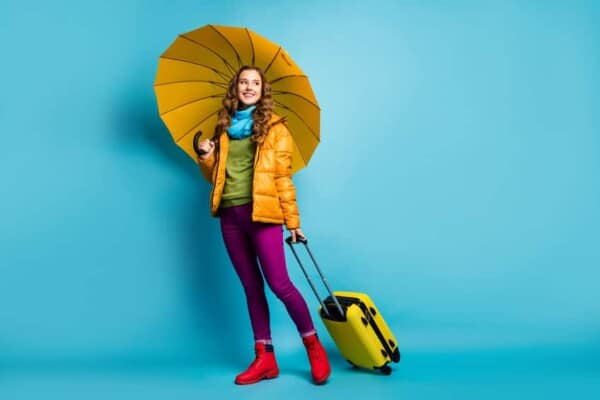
297,233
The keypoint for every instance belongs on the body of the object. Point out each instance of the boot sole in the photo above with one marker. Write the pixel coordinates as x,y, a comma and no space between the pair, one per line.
268,375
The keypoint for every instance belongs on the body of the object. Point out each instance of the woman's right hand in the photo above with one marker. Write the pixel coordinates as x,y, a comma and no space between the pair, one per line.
206,146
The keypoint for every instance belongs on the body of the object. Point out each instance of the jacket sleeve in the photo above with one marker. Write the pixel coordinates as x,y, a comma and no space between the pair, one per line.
283,177
207,166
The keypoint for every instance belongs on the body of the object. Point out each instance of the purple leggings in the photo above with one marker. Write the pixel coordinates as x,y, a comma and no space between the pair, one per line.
246,240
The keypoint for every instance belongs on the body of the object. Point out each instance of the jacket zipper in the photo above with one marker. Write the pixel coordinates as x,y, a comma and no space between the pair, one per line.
256,157
256,152
216,174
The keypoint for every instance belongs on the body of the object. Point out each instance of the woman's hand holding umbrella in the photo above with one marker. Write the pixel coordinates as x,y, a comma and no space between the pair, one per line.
204,148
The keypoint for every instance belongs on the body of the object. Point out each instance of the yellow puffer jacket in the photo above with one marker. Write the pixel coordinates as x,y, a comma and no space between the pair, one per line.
273,193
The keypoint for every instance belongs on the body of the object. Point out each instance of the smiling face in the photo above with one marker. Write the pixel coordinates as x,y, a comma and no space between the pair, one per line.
249,87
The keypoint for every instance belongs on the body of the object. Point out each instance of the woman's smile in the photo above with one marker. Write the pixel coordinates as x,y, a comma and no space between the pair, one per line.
249,87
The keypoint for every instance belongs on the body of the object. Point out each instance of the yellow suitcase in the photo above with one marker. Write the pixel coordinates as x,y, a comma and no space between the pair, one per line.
355,325
362,335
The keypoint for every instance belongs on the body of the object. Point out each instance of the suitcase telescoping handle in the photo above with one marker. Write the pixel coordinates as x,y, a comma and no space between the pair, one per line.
312,285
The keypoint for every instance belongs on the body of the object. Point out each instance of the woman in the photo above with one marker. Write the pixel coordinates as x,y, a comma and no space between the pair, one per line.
248,162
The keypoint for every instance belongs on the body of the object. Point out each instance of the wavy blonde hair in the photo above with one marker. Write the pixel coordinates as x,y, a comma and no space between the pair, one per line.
261,114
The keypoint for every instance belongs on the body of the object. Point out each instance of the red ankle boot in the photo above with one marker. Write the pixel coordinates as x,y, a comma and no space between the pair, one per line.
319,364
264,366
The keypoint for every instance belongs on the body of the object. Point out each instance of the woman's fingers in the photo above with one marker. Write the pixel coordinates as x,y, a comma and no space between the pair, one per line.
206,146
297,234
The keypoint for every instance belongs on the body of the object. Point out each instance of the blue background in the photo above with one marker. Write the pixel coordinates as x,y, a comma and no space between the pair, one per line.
457,182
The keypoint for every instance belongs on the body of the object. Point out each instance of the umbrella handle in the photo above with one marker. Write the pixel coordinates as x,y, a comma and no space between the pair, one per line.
200,152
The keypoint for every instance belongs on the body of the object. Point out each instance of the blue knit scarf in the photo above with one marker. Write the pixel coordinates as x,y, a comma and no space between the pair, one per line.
241,124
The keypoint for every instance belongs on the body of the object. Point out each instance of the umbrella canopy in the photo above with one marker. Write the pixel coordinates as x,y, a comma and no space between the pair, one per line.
193,74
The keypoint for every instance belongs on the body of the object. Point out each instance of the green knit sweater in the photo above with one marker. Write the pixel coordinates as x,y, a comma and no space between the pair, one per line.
239,173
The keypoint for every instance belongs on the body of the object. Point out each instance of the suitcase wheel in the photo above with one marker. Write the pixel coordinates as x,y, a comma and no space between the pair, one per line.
396,356
386,370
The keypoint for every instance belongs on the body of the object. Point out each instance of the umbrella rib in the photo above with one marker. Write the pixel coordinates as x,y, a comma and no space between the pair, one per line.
219,84
287,76
297,95
251,46
191,102
272,60
221,74
239,59
194,129
299,117
212,51
301,155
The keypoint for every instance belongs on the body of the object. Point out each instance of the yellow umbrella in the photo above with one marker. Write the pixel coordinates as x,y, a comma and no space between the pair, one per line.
192,79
